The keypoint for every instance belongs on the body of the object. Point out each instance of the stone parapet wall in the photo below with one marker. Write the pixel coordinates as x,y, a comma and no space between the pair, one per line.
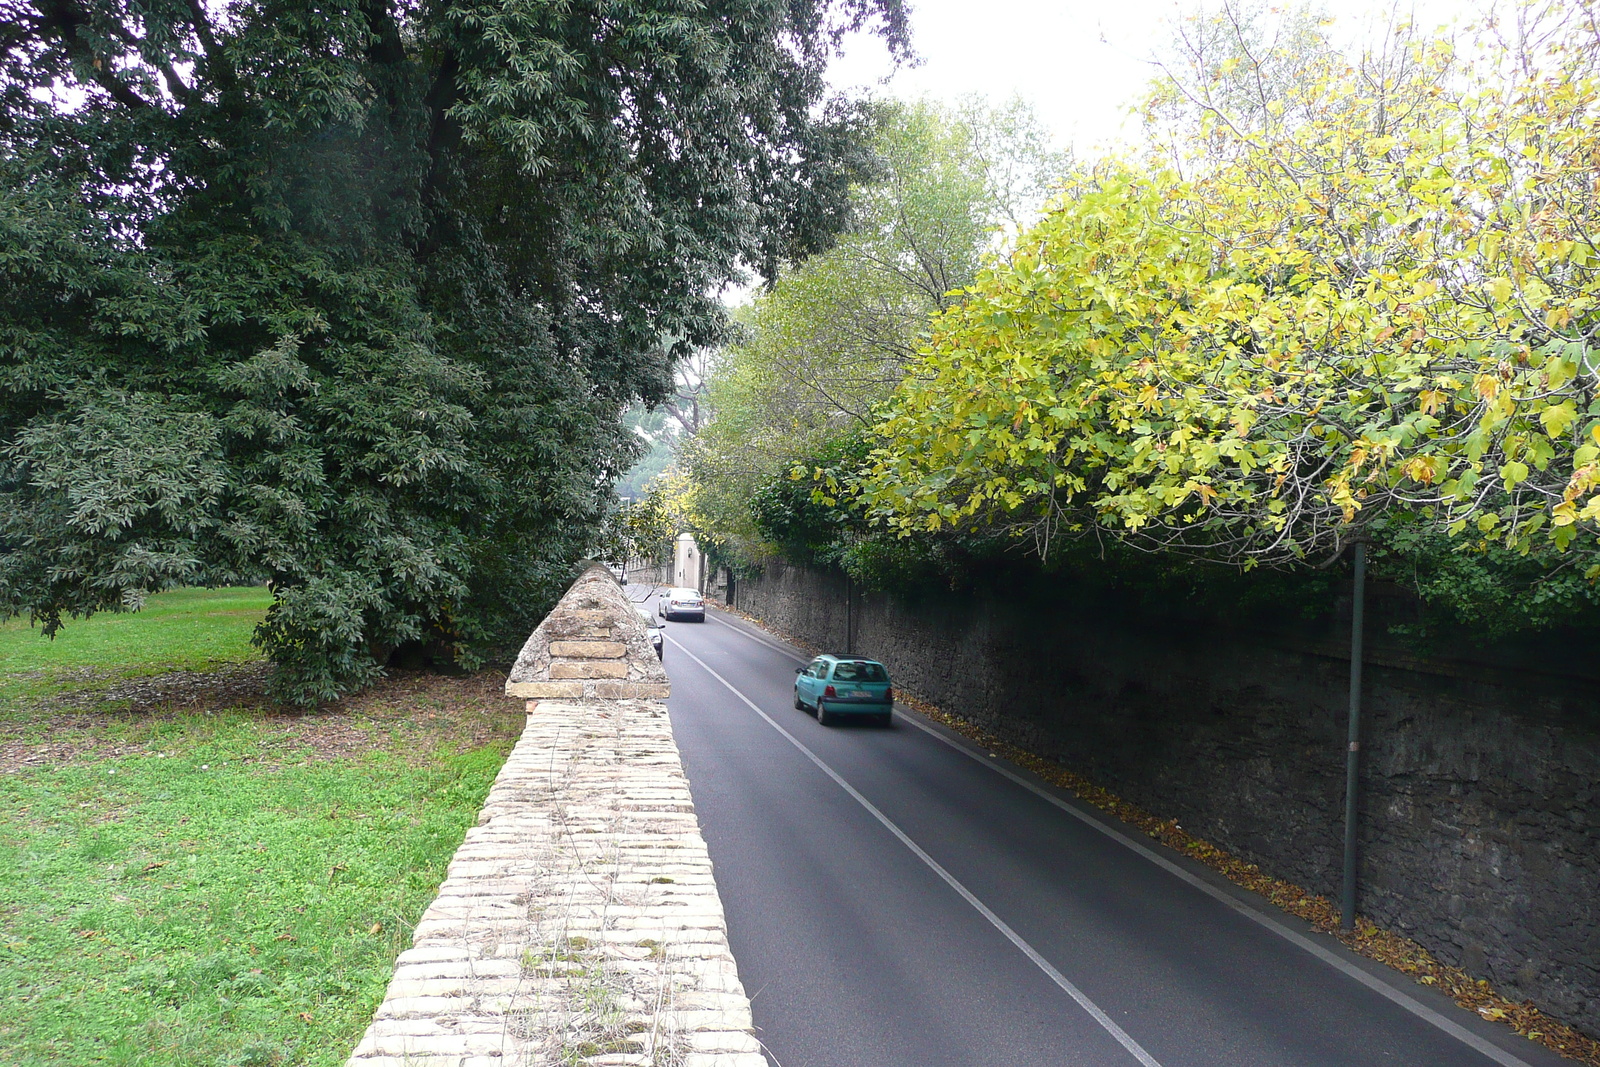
1480,832
593,645
579,922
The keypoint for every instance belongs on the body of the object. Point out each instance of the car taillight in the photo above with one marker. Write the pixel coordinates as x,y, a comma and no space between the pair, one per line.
829,692
888,694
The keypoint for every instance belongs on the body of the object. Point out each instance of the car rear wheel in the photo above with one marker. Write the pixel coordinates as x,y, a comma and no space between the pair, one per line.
823,718
886,719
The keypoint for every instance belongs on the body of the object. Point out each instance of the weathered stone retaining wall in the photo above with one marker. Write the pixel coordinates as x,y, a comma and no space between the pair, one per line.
1481,806
579,922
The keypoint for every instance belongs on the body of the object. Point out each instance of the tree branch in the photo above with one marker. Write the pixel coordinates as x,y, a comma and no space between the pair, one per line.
175,84
64,20
218,63
387,47
441,98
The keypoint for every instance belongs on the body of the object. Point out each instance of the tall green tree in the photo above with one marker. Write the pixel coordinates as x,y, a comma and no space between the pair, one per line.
833,337
350,296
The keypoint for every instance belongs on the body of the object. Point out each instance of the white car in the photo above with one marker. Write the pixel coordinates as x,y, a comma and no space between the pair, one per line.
676,602
653,628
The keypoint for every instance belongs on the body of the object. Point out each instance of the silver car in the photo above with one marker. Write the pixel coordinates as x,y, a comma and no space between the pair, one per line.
679,602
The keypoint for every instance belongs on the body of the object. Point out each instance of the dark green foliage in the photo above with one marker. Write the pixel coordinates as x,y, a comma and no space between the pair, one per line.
796,511
1441,593
351,297
799,513
1481,587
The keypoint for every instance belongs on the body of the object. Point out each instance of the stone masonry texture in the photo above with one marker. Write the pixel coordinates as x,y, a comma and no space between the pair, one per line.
593,644
1480,806
579,922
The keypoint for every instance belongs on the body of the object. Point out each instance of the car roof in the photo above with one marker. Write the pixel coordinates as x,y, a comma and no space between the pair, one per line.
682,589
845,657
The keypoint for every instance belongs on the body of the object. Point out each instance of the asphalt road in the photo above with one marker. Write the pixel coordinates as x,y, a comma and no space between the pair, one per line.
897,898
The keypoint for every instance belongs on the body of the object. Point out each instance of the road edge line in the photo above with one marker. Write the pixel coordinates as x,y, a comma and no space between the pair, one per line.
1395,995
1065,984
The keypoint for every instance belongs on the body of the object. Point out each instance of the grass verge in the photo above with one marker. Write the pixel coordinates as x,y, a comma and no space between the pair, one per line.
214,881
184,630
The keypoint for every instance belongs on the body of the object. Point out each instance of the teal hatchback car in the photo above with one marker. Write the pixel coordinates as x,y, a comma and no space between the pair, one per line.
835,686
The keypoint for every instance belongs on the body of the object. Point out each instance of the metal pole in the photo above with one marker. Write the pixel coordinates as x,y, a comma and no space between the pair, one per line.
849,618
1352,766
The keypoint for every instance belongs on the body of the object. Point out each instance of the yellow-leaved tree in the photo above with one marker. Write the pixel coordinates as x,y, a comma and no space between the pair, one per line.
1376,289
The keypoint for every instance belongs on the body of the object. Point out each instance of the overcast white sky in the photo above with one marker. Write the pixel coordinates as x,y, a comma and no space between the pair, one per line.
1080,63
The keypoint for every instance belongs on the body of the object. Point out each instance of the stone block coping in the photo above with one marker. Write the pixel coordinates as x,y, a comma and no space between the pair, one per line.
593,644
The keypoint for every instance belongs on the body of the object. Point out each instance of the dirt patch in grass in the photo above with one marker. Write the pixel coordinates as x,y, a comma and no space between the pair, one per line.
236,685
128,716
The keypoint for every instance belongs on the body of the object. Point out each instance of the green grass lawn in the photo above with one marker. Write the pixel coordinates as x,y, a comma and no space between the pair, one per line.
187,629
221,886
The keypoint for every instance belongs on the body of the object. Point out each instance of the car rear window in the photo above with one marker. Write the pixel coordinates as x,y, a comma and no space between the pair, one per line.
859,672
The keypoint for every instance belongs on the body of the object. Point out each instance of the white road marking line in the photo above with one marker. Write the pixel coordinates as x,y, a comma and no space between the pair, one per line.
1268,922
1299,940
758,639
1133,1047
